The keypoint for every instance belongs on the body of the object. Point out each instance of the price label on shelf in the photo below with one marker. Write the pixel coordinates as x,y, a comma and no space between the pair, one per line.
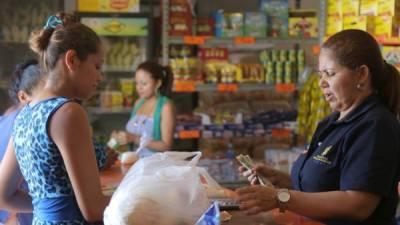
187,134
280,132
316,49
194,40
185,87
244,40
227,87
285,88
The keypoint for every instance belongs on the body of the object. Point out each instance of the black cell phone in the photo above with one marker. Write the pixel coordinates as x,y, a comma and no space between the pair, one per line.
226,204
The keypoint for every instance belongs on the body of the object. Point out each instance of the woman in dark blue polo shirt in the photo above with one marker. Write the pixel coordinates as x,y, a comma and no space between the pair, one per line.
350,171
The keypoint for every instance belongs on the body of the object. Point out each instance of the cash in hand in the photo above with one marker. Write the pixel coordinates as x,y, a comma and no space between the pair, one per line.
246,161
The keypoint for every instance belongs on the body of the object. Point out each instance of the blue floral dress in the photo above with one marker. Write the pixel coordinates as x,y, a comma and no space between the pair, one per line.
43,168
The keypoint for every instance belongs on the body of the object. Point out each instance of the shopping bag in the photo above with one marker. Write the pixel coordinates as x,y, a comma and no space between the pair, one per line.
163,189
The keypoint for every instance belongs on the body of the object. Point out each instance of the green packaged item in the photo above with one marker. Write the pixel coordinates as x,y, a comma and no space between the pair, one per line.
265,56
233,26
255,24
274,55
289,72
277,12
292,55
269,73
279,72
283,56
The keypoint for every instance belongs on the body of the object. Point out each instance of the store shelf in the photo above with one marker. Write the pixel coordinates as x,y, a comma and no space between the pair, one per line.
231,42
113,110
200,87
241,87
389,41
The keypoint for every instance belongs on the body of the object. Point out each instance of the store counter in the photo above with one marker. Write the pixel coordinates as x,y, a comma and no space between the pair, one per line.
112,177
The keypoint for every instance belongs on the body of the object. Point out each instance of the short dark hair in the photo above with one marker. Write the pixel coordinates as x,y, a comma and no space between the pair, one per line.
25,77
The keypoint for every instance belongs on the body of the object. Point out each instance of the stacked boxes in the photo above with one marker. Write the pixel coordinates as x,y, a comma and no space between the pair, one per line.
377,17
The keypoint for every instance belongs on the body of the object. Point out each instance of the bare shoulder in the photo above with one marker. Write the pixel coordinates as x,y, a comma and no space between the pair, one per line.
71,114
168,107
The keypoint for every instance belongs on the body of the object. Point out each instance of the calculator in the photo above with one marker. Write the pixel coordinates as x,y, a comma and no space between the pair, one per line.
226,203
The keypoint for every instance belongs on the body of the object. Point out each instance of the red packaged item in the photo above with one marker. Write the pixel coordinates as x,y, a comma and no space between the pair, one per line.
205,27
179,8
180,26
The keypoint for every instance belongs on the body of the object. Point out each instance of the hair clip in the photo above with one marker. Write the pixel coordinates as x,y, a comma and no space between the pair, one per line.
53,22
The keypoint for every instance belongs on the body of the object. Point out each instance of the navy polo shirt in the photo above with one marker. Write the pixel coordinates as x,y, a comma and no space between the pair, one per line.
360,152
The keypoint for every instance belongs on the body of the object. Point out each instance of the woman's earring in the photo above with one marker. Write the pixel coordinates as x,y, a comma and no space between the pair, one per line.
359,87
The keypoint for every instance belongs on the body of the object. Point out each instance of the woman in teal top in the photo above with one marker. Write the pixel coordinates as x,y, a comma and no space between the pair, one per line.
153,116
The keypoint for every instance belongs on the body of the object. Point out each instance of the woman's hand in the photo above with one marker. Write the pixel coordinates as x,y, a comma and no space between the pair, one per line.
276,177
256,199
124,138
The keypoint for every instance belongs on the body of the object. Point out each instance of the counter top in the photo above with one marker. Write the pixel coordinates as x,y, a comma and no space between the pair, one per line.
111,177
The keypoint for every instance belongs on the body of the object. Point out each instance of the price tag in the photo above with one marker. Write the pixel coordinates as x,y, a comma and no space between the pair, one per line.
281,132
285,88
187,134
185,87
389,41
316,49
194,40
227,87
244,40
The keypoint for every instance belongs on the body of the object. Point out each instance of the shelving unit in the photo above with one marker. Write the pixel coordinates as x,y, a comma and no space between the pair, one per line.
258,42
129,32
233,87
197,132
15,27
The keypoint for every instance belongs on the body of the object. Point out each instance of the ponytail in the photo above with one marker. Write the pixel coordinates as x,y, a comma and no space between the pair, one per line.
389,91
60,34
166,81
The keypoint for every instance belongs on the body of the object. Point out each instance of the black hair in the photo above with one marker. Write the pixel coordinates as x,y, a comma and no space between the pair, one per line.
25,77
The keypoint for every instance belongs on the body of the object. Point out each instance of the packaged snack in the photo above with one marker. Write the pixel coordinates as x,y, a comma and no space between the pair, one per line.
255,24
303,23
205,27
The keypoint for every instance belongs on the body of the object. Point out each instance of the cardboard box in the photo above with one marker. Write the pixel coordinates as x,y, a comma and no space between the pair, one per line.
388,7
334,24
369,8
355,22
350,7
386,26
180,26
228,24
205,27
255,24
334,8
303,23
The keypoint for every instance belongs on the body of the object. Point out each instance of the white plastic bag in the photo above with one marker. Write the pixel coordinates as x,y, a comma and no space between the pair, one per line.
163,189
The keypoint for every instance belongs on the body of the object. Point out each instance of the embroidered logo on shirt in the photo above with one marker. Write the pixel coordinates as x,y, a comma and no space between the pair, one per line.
322,157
